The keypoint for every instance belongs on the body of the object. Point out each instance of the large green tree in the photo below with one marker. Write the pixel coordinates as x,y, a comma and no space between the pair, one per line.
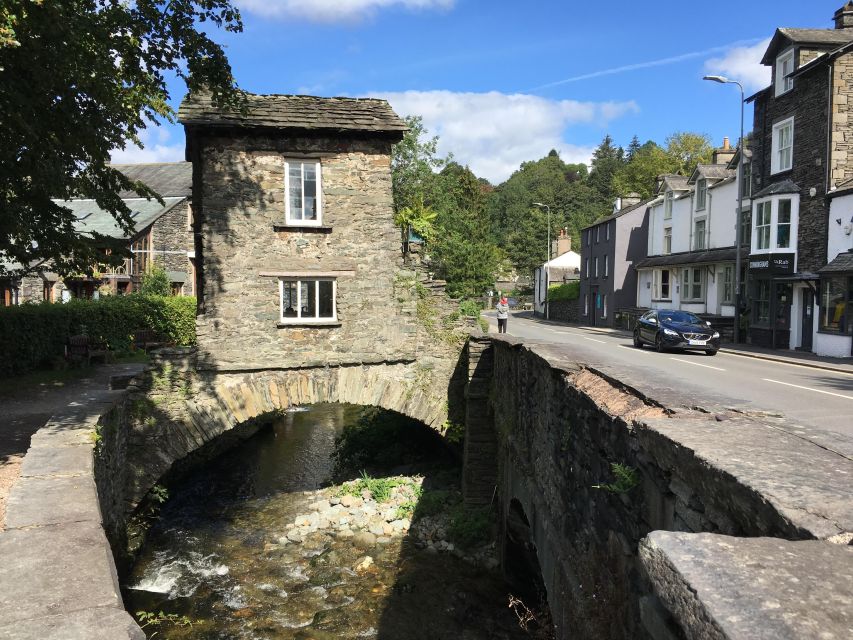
79,78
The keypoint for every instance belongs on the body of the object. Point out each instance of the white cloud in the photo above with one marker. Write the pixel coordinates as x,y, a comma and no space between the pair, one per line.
743,64
333,10
494,132
157,148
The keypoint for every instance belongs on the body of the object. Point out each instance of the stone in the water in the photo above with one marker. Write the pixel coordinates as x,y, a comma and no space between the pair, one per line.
320,505
363,564
345,533
294,536
364,539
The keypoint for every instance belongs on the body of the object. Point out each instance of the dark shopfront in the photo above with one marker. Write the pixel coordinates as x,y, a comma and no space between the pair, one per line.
771,293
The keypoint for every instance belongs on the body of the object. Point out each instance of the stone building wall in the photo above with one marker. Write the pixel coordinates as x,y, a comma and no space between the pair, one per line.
172,238
241,207
841,148
807,102
565,310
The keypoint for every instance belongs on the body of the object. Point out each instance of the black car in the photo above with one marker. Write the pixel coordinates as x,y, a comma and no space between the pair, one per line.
671,329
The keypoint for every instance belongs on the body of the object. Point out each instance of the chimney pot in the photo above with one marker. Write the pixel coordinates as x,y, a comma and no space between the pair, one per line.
844,16
726,144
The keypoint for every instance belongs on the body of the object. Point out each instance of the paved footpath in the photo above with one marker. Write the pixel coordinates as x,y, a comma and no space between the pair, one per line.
24,411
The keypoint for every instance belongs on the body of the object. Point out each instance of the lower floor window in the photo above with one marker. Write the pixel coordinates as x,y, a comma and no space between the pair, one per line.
836,294
604,306
304,300
728,284
692,284
660,284
586,304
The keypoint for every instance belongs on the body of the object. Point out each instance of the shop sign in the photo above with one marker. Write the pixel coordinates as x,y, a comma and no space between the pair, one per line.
772,263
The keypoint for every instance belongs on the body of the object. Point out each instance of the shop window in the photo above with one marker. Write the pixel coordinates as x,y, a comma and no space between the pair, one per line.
762,302
836,294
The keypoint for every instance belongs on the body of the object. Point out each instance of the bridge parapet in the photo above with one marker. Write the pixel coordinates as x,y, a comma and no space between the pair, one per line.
598,459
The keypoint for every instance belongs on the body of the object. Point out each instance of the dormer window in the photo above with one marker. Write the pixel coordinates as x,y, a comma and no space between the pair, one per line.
784,69
701,192
667,205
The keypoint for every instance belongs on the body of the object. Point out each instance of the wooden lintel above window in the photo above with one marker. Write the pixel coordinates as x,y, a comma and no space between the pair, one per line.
328,273
294,228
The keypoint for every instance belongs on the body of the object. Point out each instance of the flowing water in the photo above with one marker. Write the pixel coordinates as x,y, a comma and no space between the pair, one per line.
216,556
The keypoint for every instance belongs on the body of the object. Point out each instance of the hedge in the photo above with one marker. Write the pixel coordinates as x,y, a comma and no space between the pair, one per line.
34,335
568,291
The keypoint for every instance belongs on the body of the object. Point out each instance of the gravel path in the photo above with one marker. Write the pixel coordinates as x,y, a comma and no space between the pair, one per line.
24,410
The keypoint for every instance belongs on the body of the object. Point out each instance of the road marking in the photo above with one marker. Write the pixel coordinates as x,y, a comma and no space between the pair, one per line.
829,393
593,340
635,349
707,366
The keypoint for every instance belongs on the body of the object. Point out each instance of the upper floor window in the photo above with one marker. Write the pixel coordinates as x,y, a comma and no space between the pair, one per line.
667,240
606,266
305,300
699,235
302,185
667,205
783,225
783,146
597,234
588,236
784,68
607,231
762,225
746,187
595,267
701,193
587,267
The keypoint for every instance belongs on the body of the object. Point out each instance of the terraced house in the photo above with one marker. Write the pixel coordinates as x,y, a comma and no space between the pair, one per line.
803,155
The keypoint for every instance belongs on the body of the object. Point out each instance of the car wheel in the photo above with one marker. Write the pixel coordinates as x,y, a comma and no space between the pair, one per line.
637,342
711,352
659,343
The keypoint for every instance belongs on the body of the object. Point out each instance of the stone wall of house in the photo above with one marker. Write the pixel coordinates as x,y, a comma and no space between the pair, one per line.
241,212
841,146
807,102
172,238
559,427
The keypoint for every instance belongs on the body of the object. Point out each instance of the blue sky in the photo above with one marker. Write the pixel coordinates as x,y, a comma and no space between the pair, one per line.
504,82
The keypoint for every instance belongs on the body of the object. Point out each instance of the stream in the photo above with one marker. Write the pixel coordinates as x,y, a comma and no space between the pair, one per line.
225,557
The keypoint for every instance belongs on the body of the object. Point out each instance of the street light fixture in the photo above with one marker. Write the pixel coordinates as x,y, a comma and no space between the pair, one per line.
547,253
739,229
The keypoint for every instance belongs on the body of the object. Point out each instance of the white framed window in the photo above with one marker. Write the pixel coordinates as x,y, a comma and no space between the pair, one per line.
692,283
783,224
667,239
607,231
606,266
783,146
667,205
701,193
595,266
586,304
588,237
784,68
660,284
604,306
587,267
308,300
699,235
762,225
597,234
302,186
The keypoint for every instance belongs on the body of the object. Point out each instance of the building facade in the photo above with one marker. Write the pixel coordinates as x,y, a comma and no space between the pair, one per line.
802,151
299,257
609,250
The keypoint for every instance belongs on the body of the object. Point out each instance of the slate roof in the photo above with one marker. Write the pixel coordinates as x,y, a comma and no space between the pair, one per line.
711,172
820,38
842,188
166,178
620,213
92,219
842,263
786,186
674,181
295,112
709,256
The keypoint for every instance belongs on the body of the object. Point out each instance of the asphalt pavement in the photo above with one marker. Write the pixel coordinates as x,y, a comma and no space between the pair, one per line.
806,393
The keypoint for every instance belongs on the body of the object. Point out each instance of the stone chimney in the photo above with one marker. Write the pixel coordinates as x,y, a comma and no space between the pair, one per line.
631,199
561,244
724,154
844,16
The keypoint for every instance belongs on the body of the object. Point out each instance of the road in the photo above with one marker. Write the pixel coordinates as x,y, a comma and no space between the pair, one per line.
812,397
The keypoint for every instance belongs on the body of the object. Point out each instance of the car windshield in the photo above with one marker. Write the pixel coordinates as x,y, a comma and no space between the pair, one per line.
680,317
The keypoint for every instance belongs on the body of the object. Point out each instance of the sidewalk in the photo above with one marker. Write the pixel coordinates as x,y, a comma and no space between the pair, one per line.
26,408
843,365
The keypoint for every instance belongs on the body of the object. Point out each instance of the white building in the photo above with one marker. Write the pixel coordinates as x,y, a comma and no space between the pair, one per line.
833,331
564,268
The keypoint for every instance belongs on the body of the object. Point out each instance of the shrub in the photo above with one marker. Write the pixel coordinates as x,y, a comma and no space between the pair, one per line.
469,529
568,291
34,335
155,282
470,308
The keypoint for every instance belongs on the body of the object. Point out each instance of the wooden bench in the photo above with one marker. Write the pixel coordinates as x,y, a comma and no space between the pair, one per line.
147,339
83,349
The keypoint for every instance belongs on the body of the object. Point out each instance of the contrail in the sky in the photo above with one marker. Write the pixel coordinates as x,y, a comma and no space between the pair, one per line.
650,63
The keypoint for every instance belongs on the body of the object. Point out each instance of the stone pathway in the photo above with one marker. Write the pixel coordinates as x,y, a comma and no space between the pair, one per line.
24,410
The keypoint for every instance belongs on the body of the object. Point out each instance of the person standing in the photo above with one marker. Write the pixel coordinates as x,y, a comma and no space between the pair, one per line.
502,307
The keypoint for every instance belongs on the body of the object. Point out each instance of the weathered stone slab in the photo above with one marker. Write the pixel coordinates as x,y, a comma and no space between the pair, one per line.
64,461
720,587
55,570
103,623
54,500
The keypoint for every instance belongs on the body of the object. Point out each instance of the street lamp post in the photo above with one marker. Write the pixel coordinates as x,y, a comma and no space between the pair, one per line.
547,253
739,229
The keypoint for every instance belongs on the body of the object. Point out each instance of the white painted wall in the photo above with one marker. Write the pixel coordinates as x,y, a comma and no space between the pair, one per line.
722,211
827,344
838,240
